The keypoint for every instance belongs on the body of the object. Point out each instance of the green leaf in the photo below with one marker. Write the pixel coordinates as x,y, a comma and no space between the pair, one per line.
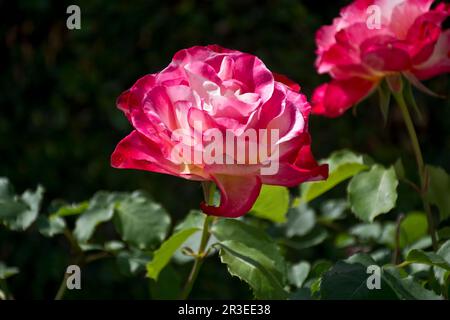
301,221
272,203
314,286
162,256
444,253
91,247
373,193
320,267
428,258
422,243
132,262
194,219
382,255
113,246
6,189
367,231
342,166
141,222
361,258
6,272
348,281
100,209
333,209
251,237
19,212
439,190
413,232
315,276
252,256
51,225
388,234
72,209
413,228
298,273
313,238
253,267
344,240
406,288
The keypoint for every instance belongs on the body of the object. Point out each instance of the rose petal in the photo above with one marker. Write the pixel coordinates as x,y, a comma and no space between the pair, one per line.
237,195
385,53
305,168
137,152
439,61
286,81
334,98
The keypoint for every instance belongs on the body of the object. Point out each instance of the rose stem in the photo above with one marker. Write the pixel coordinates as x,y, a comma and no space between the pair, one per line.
201,254
420,164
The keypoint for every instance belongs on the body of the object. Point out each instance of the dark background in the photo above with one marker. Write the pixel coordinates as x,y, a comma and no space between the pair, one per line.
59,123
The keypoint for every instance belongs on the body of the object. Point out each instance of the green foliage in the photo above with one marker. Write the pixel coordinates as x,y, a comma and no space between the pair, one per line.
162,256
253,257
442,274
298,273
333,209
259,248
413,228
301,220
51,225
439,190
272,203
18,212
342,166
72,209
6,272
254,267
347,281
373,193
132,262
141,222
100,209
406,287
428,258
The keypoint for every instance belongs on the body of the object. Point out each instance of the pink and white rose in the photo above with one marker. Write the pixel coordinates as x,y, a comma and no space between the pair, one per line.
211,90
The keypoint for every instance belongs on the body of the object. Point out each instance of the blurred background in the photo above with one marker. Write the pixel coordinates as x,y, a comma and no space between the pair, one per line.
59,124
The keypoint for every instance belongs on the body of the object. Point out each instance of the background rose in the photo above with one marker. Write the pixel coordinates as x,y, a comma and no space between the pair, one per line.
358,55
225,90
